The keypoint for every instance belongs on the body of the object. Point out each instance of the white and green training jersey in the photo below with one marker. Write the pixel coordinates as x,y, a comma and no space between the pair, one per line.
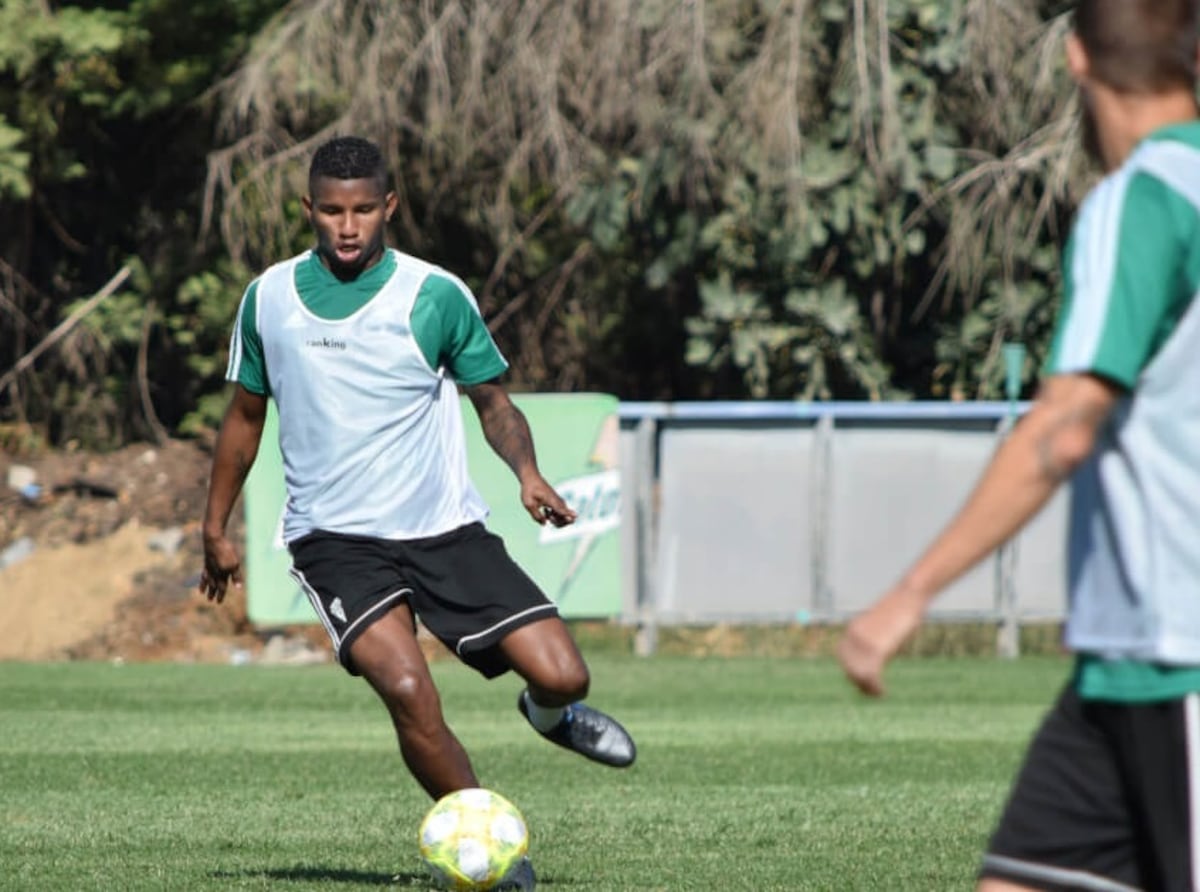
364,376
1132,274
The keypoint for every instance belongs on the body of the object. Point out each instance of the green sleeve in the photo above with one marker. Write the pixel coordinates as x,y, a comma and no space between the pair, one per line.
246,364
450,332
1126,281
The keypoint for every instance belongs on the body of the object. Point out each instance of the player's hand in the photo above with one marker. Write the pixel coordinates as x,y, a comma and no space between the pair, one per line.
875,636
544,504
222,566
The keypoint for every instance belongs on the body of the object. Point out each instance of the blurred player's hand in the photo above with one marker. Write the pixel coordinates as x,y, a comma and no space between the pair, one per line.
544,504
875,636
222,566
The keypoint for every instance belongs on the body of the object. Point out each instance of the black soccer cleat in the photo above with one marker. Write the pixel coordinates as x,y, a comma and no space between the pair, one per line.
590,733
520,879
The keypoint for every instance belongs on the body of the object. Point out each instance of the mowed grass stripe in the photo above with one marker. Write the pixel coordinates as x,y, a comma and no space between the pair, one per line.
753,774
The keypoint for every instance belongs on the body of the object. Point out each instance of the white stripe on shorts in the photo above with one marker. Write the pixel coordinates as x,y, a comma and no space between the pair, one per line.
322,614
1057,876
1191,727
317,606
504,622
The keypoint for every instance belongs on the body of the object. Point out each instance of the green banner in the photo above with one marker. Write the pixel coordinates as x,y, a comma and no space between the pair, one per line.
576,436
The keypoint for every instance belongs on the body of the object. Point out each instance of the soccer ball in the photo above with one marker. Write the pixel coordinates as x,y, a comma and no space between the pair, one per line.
472,838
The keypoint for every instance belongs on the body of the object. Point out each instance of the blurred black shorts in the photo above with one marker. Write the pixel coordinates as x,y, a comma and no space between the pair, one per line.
462,585
1106,800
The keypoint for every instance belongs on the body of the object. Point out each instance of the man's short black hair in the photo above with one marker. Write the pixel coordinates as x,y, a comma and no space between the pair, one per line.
348,158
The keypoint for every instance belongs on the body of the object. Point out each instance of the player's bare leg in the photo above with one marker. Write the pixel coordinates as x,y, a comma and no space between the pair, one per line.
557,678
994,885
390,659
546,656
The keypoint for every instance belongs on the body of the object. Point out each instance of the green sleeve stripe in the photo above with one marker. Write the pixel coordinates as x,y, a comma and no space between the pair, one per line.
1126,285
246,364
450,331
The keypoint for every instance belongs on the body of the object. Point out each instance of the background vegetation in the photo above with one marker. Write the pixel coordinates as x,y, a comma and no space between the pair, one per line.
662,199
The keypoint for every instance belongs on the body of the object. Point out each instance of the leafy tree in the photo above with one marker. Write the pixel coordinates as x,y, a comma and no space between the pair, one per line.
711,199
104,128
788,199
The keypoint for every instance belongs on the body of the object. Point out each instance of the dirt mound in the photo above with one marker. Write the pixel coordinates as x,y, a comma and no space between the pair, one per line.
103,556
100,558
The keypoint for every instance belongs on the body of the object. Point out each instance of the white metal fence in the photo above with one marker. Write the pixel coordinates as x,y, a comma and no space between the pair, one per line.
805,512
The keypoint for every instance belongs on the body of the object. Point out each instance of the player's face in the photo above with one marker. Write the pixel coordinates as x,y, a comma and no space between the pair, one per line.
350,218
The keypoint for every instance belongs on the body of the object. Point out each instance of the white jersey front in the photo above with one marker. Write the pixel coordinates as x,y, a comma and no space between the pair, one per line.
371,433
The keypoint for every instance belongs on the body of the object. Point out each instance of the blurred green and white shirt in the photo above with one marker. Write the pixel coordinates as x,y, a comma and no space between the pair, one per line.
364,376
1132,274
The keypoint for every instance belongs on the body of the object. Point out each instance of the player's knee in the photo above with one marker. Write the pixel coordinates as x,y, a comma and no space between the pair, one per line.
573,682
408,692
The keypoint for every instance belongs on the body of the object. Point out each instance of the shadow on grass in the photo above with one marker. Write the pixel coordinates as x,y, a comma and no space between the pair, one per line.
309,874
312,874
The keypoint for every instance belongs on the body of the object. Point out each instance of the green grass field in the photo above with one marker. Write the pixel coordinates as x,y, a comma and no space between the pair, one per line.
756,774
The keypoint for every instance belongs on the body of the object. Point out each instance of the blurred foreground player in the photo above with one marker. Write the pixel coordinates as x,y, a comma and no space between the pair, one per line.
1109,794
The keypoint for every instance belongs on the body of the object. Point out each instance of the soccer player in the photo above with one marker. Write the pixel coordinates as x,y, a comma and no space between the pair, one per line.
363,348
1109,794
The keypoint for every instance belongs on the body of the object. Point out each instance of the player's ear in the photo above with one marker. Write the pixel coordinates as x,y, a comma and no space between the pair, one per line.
389,205
306,200
1077,58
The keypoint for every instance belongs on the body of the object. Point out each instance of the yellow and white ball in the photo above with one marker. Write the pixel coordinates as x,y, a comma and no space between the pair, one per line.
472,838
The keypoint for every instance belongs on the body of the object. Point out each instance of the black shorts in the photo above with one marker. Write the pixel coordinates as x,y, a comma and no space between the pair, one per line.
462,585
1105,800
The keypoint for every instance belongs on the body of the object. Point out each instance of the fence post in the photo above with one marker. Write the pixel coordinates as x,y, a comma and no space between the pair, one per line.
645,461
1008,637
822,481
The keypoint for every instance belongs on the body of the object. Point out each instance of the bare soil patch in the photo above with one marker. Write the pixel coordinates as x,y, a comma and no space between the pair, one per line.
115,559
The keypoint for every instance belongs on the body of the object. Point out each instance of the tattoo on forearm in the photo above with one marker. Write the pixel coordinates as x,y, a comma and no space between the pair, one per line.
1052,463
508,434
1051,467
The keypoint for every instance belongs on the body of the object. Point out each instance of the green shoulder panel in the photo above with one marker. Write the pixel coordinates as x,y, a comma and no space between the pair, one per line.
450,332
251,369
1152,281
1150,286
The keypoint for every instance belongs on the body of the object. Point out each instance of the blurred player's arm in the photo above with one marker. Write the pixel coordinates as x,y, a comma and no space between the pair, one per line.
1044,448
237,446
507,432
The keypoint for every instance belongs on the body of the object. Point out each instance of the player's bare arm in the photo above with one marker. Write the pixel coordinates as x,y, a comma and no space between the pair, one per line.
1043,450
507,432
237,446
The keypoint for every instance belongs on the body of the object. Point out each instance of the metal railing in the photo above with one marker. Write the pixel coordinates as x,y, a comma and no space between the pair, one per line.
767,512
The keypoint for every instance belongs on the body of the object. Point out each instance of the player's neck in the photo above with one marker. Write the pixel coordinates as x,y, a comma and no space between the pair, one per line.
1125,120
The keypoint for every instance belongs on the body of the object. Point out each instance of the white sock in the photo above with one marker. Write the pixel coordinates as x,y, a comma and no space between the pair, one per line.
543,717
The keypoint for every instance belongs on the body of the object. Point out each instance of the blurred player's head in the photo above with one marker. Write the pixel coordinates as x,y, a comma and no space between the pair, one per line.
1132,49
349,204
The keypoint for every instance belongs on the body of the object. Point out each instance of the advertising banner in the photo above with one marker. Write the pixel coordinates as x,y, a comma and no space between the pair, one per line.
576,436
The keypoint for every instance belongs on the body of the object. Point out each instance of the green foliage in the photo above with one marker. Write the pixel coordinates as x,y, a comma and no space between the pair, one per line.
206,307
725,199
14,163
104,128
